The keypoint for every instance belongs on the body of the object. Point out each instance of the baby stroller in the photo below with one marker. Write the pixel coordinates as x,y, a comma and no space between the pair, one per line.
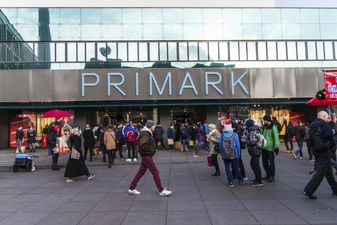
24,161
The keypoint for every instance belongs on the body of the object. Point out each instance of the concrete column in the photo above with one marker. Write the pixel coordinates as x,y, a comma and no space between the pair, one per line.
155,114
165,119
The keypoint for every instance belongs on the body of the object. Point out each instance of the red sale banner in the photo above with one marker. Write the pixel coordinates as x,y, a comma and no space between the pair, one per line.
330,81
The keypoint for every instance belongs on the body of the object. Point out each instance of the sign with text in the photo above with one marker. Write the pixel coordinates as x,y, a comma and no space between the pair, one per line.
330,81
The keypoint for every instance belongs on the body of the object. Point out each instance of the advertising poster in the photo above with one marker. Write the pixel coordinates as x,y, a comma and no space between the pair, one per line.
330,82
23,120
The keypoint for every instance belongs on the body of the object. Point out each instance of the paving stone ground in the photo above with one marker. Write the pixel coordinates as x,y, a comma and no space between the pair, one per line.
43,198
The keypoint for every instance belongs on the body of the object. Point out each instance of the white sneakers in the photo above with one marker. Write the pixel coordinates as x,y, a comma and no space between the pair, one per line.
135,159
165,192
91,176
68,180
128,160
133,192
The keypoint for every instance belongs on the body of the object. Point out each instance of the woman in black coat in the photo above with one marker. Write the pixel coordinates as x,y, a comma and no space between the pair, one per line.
76,167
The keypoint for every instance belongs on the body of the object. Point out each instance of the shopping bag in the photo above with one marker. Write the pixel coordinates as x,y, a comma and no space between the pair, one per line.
209,161
191,143
170,141
177,145
74,154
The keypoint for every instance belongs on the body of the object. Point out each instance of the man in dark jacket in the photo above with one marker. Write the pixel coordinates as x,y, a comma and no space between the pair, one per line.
89,142
299,133
147,149
158,136
19,138
119,140
51,143
185,135
171,135
31,135
322,155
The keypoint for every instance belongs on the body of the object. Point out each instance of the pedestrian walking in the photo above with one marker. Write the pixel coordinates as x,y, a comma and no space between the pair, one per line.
19,139
158,136
306,138
269,131
89,142
288,137
321,139
147,150
31,135
201,140
185,135
171,135
130,133
299,133
51,142
76,165
110,144
119,140
214,147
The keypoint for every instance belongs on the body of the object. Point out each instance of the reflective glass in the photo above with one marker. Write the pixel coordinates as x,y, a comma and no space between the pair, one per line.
54,16
131,32
272,31
70,32
271,16
309,16
252,31
232,15
232,31
152,15
328,31
70,16
291,31
251,15
28,16
193,32
11,14
192,16
28,32
90,32
173,32
290,16
172,16
131,15
328,15
111,32
310,31
213,32
90,16
212,16
152,32
111,16
55,32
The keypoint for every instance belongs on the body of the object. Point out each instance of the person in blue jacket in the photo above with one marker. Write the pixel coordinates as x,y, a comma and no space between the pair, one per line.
231,161
130,140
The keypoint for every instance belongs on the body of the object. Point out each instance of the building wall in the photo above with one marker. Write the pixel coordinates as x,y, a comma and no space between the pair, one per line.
4,135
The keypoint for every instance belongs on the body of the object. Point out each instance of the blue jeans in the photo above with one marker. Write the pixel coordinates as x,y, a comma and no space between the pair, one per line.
19,144
185,143
200,145
299,150
236,168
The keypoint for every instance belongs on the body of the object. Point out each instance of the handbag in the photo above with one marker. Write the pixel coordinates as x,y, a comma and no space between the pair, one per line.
170,141
209,161
74,154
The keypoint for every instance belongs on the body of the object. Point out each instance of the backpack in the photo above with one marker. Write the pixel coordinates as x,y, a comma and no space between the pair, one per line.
262,143
228,148
130,137
316,140
252,138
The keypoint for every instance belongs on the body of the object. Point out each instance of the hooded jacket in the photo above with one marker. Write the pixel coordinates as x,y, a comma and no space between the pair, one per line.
147,144
327,134
273,140
228,134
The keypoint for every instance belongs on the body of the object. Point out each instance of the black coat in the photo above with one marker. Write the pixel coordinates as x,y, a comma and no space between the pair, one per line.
31,134
171,133
158,132
119,134
89,139
299,132
51,139
19,134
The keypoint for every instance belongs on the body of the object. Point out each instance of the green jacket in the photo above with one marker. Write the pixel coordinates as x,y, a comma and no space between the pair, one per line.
273,140
147,144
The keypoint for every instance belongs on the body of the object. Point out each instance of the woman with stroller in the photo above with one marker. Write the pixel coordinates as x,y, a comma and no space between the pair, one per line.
76,166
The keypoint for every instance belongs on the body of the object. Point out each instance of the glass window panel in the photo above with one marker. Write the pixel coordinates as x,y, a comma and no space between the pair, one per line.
90,16
335,44
173,32
223,50
193,32
54,15
291,31
281,51
262,50
213,32
193,51
328,49
311,50
70,16
271,46
232,15
271,16
320,50
290,15
152,15
328,15
143,52
111,16
163,51
309,16
28,32
203,51
70,32
192,15
111,32
113,47
172,47
328,31
52,52
133,52
90,51
243,51
131,15
154,56
153,32
11,14
292,53
213,51
310,31
232,31
101,50
90,32
71,52
252,31
301,51
81,51
55,32
272,31
60,52
172,16
132,32
251,15
212,16
234,50
28,16
122,51
251,51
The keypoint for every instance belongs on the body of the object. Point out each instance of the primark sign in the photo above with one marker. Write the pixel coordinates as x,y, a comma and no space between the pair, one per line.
165,84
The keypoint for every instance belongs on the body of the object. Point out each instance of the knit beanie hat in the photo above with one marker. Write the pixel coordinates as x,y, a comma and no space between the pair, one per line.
149,123
267,118
228,126
249,123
